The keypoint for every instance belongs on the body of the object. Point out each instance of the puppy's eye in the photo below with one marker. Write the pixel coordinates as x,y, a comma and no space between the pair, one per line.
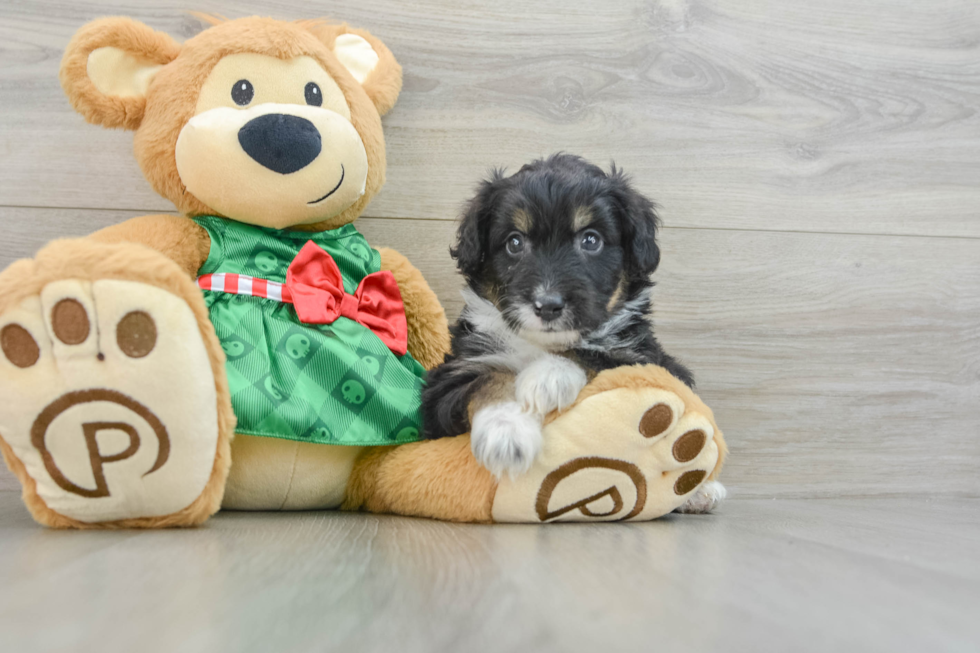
515,244
242,92
313,95
591,242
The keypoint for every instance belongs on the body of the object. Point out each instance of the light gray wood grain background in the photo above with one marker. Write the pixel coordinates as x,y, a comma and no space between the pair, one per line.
817,164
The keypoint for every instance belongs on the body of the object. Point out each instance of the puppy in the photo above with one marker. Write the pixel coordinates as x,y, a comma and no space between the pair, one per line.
557,259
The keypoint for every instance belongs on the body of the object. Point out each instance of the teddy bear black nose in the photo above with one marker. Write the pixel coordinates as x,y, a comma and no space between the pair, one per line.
280,142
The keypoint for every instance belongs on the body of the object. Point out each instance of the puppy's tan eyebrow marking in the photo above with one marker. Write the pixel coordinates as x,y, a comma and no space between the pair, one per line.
582,218
522,220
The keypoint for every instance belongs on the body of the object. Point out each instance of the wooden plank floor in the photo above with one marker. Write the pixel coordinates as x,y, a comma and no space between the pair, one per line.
797,575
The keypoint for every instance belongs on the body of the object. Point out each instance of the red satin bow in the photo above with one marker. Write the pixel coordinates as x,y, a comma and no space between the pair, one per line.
317,292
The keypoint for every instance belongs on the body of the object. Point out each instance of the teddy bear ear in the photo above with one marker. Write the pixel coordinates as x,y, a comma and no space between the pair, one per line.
108,66
368,60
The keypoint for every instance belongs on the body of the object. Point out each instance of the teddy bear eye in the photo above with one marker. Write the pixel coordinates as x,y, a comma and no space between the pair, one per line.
242,92
313,95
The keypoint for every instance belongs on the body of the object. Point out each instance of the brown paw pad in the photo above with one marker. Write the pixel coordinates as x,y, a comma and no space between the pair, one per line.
688,446
136,334
687,481
656,420
69,321
19,345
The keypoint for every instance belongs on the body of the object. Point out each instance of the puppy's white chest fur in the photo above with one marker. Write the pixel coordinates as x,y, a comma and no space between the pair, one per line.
506,437
545,381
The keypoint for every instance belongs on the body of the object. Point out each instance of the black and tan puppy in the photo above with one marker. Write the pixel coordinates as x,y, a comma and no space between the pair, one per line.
557,258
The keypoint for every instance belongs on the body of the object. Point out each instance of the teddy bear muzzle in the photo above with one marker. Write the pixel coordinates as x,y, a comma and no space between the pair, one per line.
273,165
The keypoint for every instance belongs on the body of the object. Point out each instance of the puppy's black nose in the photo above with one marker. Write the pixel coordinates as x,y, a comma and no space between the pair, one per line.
549,307
280,142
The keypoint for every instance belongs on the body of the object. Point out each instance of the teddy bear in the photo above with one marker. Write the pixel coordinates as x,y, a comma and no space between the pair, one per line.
255,352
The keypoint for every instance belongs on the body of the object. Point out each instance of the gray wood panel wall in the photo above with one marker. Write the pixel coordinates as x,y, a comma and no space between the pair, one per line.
817,165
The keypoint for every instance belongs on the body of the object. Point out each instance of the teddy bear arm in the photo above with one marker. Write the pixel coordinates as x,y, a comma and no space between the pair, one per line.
428,329
180,239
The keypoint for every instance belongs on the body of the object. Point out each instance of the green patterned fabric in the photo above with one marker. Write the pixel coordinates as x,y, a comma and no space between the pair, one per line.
333,383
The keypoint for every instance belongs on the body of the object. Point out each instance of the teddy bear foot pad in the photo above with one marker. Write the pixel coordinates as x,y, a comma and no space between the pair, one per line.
623,454
107,400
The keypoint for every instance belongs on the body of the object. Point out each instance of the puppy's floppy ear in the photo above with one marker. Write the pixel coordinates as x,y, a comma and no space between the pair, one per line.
471,248
108,66
639,221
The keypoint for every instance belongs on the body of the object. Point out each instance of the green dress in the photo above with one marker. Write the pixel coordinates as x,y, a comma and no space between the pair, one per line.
327,383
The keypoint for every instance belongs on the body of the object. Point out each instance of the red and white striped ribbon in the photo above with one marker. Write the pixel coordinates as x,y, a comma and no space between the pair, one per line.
242,284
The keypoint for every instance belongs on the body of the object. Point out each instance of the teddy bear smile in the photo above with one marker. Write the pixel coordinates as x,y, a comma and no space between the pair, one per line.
335,188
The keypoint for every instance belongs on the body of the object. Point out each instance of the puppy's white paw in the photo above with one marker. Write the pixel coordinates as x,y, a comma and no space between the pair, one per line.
548,383
505,439
705,499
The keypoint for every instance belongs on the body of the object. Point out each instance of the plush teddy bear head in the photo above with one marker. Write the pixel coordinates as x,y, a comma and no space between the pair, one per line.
267,122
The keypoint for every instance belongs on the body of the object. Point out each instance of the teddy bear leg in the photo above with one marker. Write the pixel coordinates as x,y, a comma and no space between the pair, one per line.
276,474
114,406
637,445
436,478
